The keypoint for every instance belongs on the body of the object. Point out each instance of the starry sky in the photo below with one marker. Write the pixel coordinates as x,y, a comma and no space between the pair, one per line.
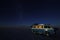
16,12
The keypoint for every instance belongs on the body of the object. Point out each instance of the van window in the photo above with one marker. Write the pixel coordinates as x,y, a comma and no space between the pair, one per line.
41,26
36,26
47,27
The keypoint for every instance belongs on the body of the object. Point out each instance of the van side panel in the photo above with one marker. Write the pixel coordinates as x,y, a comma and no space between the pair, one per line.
41,31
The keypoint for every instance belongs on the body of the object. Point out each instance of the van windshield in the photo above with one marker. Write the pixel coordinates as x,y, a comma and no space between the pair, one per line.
47,27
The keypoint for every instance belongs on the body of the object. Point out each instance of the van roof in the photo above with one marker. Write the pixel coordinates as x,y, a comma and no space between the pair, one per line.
41,24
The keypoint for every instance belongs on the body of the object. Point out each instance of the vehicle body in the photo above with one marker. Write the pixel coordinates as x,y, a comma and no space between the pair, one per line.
45,29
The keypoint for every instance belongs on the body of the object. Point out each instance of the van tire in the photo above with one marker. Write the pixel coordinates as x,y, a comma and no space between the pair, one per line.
47,33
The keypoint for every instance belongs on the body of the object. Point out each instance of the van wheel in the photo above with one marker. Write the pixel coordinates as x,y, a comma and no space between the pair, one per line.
47,33
36,33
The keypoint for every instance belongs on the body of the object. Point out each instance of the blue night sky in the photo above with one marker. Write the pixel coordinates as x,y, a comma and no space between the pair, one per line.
15,13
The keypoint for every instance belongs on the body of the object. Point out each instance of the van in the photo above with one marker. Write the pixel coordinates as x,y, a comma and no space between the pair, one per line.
45,29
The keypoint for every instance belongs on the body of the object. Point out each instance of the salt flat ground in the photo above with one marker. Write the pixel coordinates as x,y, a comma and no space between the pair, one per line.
23,33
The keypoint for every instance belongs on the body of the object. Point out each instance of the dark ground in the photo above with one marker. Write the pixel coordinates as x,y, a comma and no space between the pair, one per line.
23,34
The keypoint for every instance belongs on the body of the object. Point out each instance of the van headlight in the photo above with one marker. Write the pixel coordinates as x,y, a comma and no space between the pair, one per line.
46,29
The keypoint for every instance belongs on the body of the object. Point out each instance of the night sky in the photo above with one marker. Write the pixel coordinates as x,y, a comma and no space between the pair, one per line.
15,12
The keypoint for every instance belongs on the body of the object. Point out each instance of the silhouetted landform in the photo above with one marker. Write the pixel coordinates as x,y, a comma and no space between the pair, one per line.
23,33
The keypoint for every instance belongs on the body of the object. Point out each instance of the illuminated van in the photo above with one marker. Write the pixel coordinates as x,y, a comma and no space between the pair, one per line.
46,29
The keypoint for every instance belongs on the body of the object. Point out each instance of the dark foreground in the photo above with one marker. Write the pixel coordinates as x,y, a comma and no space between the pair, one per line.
24,34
